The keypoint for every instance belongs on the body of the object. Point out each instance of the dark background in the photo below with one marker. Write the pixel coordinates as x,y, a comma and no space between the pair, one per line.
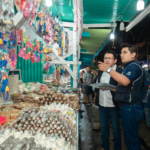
138,36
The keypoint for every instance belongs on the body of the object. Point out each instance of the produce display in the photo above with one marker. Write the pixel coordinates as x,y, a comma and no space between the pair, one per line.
46,122
42,98
18,144
43,87
55,124
29,87
52,82
12,140
64,81
41,119
11,112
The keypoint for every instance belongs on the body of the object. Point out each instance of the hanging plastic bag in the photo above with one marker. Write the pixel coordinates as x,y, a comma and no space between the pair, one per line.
5,95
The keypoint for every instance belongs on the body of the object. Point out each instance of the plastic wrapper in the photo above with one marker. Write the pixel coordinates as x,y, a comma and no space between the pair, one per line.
7,142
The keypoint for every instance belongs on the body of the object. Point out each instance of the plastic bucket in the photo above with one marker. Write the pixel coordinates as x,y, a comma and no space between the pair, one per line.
2,120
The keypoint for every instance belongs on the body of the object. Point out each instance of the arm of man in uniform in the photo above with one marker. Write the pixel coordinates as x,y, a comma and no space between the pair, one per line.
120,78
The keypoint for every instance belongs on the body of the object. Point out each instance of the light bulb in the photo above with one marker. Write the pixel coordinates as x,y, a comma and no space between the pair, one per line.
112,36
121,26
140,5
48,3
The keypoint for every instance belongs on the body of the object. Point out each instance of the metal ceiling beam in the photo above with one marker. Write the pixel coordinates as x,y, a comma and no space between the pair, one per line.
67,55
139,18
86,26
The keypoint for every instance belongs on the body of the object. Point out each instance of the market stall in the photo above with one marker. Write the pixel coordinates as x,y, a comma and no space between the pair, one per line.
36,113
42,111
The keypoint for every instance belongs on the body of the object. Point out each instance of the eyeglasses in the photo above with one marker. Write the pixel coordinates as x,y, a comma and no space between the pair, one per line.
109,58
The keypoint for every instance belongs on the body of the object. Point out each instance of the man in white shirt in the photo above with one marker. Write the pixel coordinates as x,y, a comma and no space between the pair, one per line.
107,108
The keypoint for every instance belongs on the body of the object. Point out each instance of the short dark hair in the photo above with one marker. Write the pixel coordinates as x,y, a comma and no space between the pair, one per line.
111,52
83,71
131,48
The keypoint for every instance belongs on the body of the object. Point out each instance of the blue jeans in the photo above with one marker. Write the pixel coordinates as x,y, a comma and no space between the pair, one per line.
131,115
147,114
106,114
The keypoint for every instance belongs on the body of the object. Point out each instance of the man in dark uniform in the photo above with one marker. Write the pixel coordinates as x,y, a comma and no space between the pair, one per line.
130,107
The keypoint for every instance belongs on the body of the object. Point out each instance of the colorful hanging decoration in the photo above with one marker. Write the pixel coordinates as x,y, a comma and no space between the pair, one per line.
3,63
13,57
20,37
5,88
3,77
22,52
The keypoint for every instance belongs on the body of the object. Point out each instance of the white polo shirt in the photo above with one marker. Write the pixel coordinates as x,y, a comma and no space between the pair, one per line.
105,97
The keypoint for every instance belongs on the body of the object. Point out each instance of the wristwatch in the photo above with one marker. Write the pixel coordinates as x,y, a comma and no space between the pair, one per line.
108,70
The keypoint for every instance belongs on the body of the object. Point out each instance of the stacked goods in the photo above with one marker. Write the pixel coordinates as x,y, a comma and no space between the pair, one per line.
26,88
54,96
10,115
41,98
65,90
13,143
34,98
54,82
43,87
49,123
11,112
18,98
57,75
12,140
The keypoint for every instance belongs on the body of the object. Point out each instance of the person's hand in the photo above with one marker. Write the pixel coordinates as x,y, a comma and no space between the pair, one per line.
103,67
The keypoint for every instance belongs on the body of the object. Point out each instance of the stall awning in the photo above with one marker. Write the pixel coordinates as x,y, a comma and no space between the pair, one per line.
91,44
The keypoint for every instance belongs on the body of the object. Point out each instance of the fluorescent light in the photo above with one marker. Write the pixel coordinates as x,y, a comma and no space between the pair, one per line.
140,5
48,3
112,36
138,18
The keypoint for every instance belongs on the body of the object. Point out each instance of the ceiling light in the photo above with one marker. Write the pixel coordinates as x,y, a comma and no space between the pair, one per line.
140,5
138,18
122,26
48,3
112,36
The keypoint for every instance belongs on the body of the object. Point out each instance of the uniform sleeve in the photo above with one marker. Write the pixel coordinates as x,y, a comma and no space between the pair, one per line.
132,72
